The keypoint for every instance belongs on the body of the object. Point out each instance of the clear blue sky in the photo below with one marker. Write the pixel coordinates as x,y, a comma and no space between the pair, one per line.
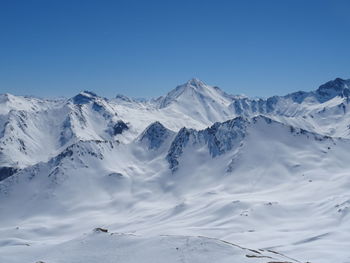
145,48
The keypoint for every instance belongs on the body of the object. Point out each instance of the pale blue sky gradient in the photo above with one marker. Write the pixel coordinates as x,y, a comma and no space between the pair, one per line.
145,48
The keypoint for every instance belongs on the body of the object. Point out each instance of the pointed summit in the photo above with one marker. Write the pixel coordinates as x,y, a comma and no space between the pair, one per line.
84,97
154,135
192,92
195,83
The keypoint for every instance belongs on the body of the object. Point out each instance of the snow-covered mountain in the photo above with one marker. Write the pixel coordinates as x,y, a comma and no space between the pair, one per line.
194,176
25,122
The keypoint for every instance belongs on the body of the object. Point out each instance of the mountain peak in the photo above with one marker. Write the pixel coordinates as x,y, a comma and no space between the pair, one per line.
84,97
155,134
336,84
195,83
194,91
333,88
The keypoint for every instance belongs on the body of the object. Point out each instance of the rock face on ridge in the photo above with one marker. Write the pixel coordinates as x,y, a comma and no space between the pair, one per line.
155,135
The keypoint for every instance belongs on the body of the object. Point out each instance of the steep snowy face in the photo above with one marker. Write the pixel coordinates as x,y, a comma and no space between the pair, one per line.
95,103
34,130
194,89
198,100
10,102
94,118
30,136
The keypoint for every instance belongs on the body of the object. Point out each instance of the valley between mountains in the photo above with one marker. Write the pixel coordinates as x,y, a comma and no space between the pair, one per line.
197,175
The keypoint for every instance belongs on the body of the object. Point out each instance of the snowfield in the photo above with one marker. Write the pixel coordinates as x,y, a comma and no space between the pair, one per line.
114,247
194,176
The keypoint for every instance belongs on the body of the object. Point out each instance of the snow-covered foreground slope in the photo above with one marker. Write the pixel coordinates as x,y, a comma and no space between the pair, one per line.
253,182
114,247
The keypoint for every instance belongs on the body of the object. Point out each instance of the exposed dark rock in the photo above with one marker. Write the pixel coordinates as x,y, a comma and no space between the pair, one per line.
84,97
120,127
155,134
6,172
99,229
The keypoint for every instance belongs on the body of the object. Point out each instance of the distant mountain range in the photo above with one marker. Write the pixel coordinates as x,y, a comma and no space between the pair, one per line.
193,171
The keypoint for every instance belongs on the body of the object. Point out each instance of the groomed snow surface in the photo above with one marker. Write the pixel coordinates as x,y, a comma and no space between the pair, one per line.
95,180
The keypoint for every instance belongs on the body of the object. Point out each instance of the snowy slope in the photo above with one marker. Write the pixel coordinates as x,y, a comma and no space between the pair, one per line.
199,101
130,248
236,191
190,170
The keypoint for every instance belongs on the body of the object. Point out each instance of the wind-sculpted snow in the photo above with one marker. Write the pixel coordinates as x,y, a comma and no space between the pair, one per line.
195,176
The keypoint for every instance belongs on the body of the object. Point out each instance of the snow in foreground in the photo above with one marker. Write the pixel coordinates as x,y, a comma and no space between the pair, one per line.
269,177
113,247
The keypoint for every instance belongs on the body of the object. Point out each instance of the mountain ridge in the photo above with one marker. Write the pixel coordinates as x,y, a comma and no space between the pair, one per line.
338,83
268,174
87,116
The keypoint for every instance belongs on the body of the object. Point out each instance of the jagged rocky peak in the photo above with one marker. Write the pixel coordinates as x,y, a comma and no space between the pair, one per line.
80,148
333,88
177,147
337,84
220,138
155,135
84,97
